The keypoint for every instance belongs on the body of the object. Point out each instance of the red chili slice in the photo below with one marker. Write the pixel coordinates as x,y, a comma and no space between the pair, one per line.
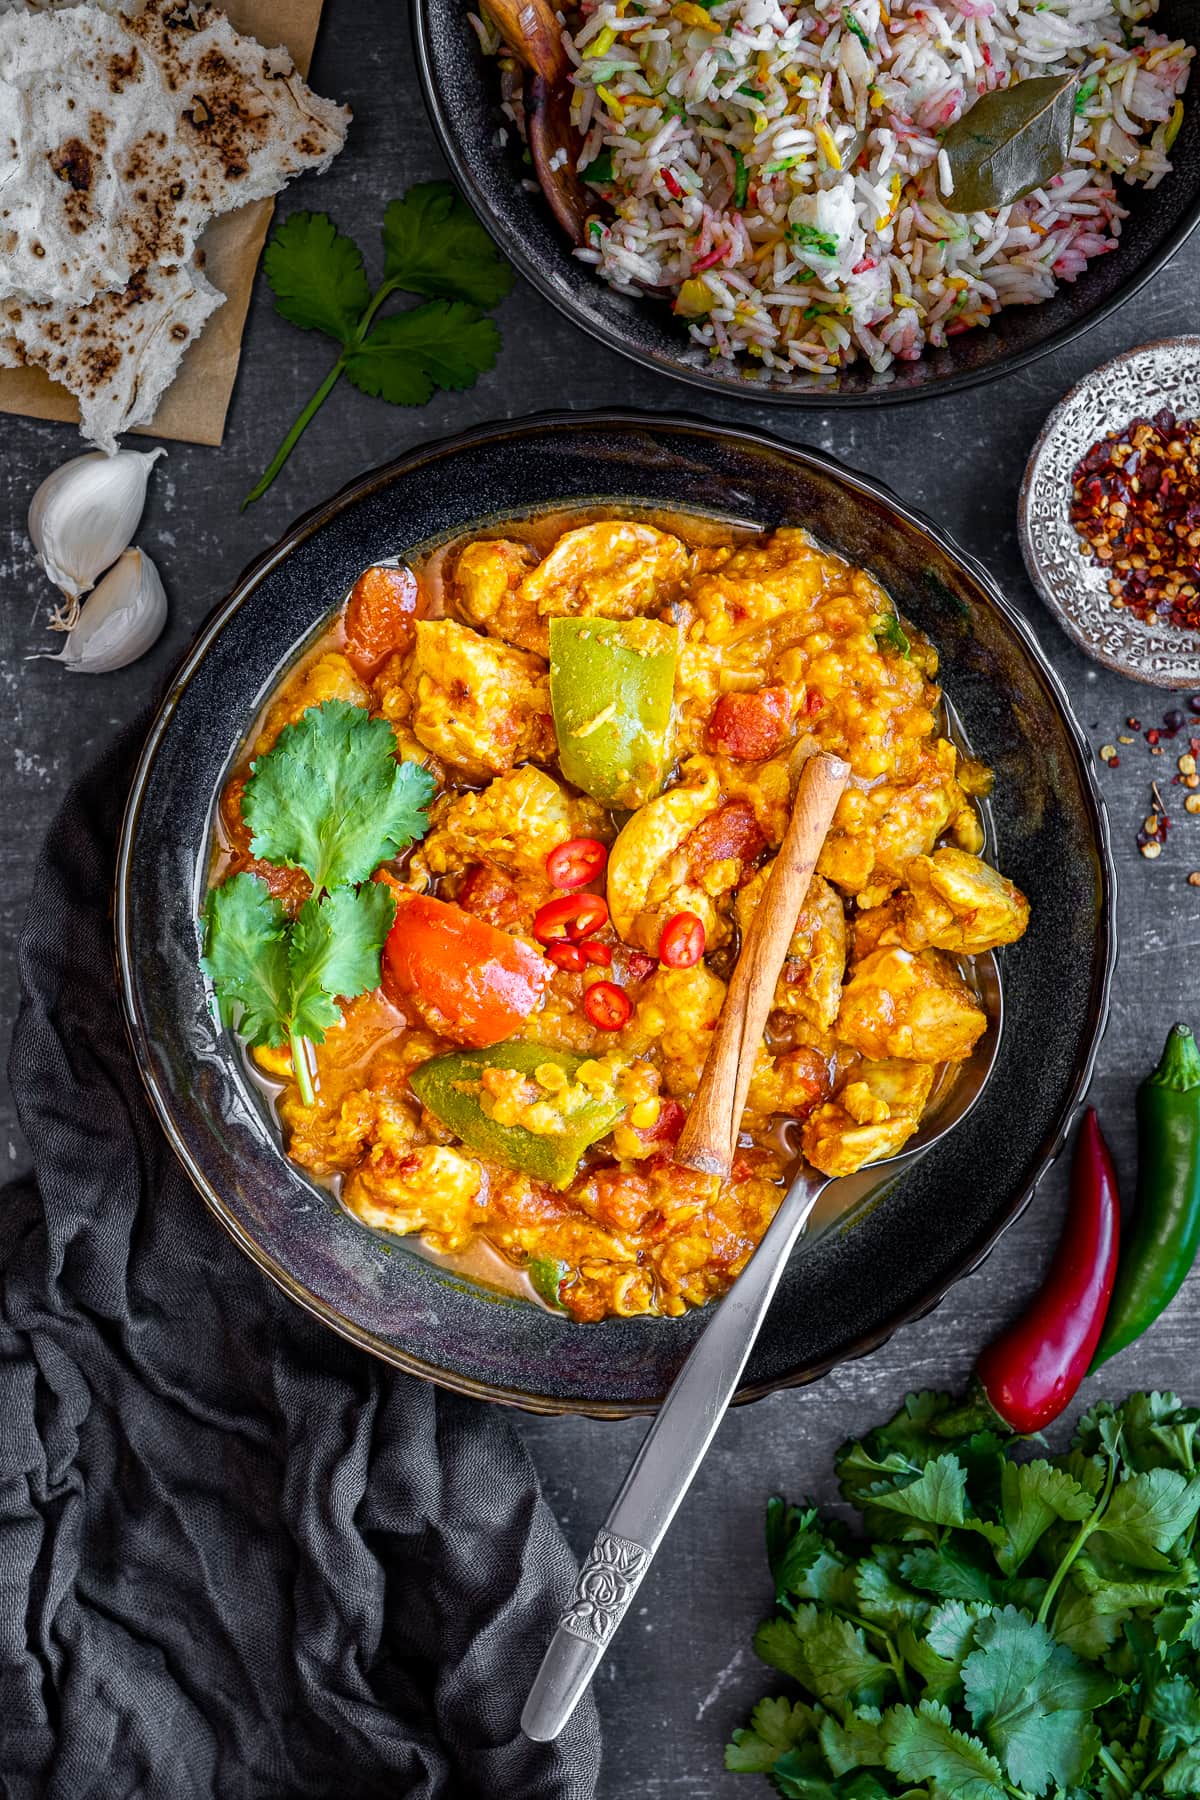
576,862
751,726
568,956
607,1006
600,954
570,917
682,942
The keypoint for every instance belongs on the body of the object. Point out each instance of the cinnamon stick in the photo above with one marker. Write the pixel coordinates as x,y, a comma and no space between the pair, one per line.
709,1137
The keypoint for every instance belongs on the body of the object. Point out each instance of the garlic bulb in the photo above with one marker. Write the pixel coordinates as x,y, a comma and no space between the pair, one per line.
85,514
124,616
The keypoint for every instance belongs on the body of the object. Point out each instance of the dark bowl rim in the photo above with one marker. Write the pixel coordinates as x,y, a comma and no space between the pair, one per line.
1067,621
242,591
711,384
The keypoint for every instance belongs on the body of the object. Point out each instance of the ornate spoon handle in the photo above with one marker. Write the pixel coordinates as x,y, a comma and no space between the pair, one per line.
662,1472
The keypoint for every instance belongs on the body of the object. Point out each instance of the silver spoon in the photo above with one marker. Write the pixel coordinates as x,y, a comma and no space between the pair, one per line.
677,1442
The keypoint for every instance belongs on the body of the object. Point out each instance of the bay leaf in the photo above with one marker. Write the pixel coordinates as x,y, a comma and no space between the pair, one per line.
1011,141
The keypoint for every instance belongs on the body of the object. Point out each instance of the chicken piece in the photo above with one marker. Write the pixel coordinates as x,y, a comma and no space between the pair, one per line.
957,902
487,576
614,569
330,677
675,1014
684,851
810,982
874,927
877,831
899,1004
759,584
513,823
787,1086
478,704
872,1117
431,1188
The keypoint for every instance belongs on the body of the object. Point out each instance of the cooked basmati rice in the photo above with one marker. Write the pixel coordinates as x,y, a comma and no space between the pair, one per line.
777,167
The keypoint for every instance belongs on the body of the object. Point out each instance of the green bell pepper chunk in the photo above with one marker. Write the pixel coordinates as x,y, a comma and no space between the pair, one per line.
449,1087
546,1277
611,686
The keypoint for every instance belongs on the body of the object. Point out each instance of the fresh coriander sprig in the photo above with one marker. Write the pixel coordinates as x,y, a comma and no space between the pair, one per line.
330,798
1009,1627
432,245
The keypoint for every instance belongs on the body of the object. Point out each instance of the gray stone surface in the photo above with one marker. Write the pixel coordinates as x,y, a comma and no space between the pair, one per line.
682,1673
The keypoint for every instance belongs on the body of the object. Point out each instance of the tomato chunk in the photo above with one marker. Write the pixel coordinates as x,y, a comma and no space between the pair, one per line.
380,615
486,892
479,982
730,834
291,886
751,726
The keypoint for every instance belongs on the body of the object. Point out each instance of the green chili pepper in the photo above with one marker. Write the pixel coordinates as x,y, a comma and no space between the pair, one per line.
450,1087
741,185
808,237
1162,1244
611,687
752,92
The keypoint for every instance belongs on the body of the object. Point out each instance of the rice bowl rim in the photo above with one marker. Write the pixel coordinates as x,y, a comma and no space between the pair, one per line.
458,156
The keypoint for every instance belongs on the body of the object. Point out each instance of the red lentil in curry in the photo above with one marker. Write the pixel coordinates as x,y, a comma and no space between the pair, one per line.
613,712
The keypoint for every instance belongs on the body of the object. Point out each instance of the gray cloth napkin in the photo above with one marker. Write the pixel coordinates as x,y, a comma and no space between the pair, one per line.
238,1557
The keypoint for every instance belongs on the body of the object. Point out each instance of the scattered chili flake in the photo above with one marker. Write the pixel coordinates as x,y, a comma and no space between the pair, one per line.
1194,878
1152,849
1152,737
1114,762
1192,803
1136,724
1107,750
1136,506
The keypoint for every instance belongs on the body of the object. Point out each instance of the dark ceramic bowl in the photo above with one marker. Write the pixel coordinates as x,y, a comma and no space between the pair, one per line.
848,1291
462,94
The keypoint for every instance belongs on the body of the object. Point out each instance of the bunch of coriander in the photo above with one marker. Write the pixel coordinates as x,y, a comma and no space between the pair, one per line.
1006,1628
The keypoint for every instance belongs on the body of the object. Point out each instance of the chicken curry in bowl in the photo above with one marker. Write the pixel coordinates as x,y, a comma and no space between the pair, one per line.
481,874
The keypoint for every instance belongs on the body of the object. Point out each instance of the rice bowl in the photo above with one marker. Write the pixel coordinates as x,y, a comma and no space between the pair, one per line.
779,172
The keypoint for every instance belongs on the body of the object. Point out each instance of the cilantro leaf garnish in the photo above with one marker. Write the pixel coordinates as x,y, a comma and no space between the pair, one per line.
334,950
246,958
891,634
1010,1627
278,982
444,344
330,798
317,276
434,246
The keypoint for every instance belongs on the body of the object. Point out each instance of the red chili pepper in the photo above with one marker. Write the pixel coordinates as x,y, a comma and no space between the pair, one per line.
682,942
569,918
706,262
576,862
609,1007
599,954
860,268
670,183
1031,1371
568,956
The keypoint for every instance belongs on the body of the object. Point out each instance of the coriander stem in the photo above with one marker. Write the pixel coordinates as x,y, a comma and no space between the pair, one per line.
302,1068
1114,1769
382,292
293,437
1081,1537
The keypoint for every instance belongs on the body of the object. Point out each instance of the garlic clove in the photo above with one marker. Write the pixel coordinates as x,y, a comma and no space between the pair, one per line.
85,514
120,622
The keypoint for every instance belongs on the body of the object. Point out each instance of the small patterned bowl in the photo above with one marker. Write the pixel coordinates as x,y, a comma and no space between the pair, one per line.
1075,588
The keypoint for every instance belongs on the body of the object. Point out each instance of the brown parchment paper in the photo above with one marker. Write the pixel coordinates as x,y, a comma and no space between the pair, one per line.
193,408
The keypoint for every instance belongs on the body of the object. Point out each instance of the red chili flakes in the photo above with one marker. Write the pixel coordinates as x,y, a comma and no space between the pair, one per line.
1136,506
